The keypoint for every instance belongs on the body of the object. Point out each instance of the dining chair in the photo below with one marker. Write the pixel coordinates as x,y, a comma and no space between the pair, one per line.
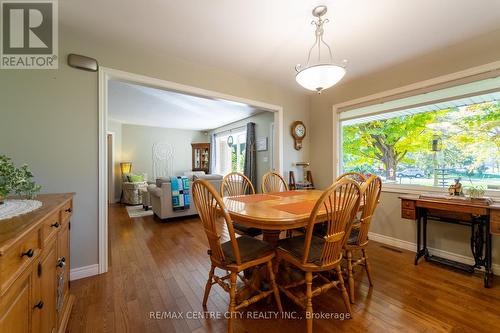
273,182
236,183
320,228
356,176
233,184
358,238
233,256
318,256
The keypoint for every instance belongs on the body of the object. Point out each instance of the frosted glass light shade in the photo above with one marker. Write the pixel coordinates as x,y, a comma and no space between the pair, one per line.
320,77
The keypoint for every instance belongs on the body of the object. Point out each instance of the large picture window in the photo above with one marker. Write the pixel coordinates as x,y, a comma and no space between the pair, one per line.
428,145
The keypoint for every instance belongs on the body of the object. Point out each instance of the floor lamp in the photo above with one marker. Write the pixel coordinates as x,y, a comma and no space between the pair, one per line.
126,168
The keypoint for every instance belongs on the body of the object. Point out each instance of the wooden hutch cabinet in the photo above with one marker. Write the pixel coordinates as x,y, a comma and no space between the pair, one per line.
201,157
34,268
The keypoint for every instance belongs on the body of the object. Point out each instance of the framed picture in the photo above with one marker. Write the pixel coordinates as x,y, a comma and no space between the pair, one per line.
261,144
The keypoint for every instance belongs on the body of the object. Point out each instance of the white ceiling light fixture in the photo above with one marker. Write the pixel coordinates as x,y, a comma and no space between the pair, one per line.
321,75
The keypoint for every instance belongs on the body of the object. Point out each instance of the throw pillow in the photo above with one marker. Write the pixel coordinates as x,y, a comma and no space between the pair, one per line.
135,178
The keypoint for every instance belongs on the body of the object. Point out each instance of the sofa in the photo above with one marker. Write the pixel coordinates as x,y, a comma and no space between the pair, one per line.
161,195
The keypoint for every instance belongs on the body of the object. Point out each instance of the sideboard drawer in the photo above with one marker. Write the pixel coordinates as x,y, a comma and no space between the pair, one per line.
50,226
495,228
18,258
408,214
495,221
16,306
407,204
495,215
66,212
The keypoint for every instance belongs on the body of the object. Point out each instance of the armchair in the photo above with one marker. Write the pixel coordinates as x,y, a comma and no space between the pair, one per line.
131,190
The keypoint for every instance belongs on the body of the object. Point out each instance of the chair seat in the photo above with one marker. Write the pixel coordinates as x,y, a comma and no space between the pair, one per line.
252,232
250,249
353,237
295,246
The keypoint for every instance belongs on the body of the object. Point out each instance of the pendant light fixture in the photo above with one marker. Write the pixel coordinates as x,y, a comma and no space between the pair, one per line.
320,75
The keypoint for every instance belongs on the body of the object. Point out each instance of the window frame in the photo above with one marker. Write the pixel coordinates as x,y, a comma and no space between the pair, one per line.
467,76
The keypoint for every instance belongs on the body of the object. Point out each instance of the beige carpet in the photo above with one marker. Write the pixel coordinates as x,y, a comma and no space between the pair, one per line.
138,211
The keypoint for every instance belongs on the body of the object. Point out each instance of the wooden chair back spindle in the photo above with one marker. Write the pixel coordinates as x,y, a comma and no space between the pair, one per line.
210,206
236,183
356,176
273,182
371,190
341,202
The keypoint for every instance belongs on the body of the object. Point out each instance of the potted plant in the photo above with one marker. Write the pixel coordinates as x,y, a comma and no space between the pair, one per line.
16,180
475,192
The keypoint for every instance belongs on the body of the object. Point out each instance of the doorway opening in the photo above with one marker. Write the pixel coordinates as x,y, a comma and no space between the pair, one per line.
158,89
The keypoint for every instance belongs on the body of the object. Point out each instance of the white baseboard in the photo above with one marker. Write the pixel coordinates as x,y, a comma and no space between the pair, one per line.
83,272
405,245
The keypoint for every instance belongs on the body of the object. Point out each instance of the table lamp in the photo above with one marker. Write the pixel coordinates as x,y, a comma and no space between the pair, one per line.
126,167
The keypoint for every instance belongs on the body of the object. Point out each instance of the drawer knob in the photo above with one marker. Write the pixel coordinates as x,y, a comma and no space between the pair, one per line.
61,262
39,305
28,253
69,210
55,225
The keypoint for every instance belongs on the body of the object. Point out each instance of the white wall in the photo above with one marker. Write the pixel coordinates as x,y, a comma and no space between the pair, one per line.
137,143
263,123
49,119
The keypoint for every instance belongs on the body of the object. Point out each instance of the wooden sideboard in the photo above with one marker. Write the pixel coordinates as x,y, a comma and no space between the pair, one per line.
34,268
481,217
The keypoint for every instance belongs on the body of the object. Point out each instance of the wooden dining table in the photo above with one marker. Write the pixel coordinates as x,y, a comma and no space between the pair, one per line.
273,212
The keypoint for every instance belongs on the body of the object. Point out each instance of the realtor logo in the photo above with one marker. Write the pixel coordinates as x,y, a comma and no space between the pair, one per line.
29,38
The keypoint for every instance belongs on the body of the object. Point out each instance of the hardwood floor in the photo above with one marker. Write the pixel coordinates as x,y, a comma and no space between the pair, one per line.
162,267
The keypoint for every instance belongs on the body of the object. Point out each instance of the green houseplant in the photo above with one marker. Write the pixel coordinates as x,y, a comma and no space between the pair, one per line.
475,192
16,180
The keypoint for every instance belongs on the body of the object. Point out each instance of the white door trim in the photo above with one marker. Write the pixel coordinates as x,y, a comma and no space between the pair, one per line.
106,74
112,183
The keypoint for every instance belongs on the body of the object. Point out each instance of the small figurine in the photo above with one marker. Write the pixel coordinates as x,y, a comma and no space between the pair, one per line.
455,189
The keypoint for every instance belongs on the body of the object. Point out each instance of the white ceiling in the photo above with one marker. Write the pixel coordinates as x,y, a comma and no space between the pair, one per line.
139,105
266,38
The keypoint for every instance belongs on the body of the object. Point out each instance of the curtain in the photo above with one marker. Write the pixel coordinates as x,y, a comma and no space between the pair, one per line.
213,157
251,155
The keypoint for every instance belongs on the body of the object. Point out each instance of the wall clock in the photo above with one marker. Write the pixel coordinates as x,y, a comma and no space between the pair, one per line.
298,133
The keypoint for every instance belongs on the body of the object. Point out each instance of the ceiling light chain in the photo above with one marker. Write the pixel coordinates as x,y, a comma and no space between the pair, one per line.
319,40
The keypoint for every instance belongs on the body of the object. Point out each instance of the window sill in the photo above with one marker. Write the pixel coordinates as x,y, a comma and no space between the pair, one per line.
418,189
